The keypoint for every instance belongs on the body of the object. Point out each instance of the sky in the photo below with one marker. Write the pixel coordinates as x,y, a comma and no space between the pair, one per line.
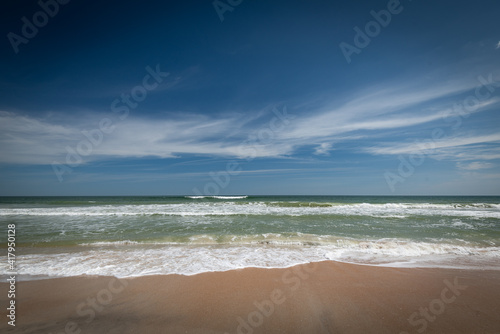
249,97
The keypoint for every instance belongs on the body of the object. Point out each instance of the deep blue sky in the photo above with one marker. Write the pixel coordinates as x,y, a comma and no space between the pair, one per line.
262,102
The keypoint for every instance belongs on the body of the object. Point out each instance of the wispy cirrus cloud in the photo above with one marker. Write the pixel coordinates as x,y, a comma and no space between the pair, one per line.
368,114
434,146
476,165
323,149
28,140
380,108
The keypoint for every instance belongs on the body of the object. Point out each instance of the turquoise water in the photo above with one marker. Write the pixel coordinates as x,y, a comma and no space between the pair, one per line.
133,236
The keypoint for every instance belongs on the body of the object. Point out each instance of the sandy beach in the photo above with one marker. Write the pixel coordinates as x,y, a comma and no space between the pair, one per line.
326,297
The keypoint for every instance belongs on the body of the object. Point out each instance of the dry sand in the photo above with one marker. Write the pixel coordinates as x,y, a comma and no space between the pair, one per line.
326,297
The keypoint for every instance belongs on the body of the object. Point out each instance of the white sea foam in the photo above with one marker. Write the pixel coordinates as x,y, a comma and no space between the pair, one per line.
193,236
110,243
162,260
399,253
388,210
217,197
127,259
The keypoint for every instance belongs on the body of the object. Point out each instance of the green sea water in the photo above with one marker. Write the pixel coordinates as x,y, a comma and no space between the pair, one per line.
64,236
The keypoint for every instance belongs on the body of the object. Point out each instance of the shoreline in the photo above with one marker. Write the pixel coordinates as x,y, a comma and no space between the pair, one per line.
29,278
319,297
163,259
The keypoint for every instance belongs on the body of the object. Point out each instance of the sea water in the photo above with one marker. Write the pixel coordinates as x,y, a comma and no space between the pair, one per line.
136,236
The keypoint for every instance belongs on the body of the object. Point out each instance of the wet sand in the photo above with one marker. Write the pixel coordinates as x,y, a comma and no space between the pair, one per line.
326,297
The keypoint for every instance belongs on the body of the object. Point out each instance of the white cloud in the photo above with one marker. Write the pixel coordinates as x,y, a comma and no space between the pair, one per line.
471,153
381,108
427,146
323,149
29,140
26,140
474,165
498,45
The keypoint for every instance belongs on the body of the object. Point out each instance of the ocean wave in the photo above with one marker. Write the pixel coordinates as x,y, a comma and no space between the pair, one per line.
110,243
158,260
229,208
385,246
417,254
217,197
129,259
278,239
388,246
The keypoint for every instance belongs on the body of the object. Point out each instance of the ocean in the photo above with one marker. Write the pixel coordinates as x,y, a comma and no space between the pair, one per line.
137,236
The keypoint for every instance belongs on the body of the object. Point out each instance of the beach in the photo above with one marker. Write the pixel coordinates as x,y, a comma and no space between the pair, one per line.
243,167
140,236
251,264
324,297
